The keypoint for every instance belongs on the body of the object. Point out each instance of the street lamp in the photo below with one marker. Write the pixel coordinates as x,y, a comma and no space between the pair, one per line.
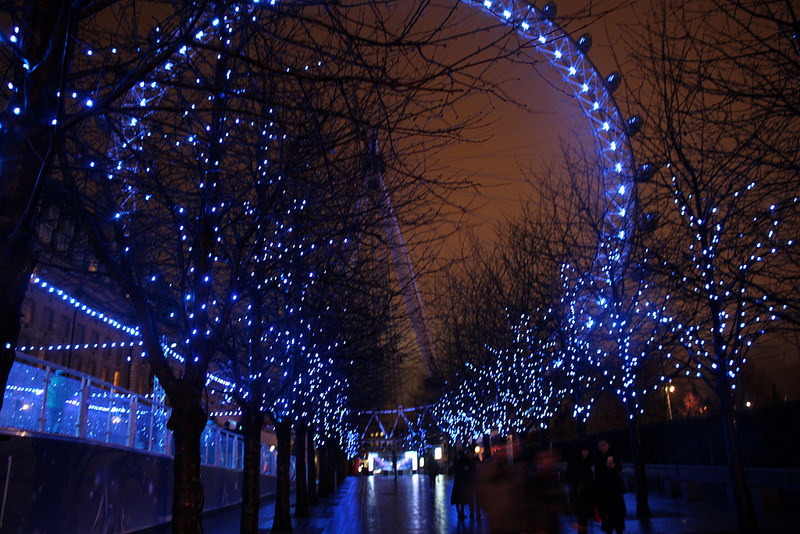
669,389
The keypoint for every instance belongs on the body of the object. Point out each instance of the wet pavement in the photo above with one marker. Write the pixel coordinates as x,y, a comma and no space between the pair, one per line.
383,505
408,504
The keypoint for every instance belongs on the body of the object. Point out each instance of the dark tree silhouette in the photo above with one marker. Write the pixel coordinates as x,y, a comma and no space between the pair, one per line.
182,187
716,100
66,64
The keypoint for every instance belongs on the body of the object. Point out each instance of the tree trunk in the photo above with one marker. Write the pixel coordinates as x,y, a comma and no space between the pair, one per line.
745,509
325,471
187,422
640,474
301,484
338,464
487,447
26,156
283,514
580,430
252,421
342,463
15,271
312,467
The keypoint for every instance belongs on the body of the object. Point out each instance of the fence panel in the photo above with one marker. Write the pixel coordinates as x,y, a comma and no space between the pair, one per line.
44,397
24,397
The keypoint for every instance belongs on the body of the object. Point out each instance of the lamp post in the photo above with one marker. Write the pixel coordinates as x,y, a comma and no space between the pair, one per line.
669,388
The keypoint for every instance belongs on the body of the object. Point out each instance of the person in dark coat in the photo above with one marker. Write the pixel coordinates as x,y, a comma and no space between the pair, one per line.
546,500
431,467
580,481
460,494
501,494
471,482
609,489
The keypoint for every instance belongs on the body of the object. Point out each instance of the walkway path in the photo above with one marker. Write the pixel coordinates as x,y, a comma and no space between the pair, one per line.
382,505
409,505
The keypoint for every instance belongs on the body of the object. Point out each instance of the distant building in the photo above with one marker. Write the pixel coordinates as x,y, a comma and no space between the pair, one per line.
70,311
58,328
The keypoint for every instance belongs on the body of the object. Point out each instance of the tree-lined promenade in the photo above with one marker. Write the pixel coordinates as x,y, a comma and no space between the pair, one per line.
216,158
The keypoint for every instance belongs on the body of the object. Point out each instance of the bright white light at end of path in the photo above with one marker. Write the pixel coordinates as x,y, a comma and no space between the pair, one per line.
413,456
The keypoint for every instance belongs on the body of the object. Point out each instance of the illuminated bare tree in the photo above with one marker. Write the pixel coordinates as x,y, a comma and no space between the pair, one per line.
65,65
759,70
716,103
172,184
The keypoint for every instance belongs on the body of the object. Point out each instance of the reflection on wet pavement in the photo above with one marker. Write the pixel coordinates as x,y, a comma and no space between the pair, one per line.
406,505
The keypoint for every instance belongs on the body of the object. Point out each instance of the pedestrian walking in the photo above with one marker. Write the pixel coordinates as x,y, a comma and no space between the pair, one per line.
461,492
546,500
580,482
501,494
431,467
471,482
609,489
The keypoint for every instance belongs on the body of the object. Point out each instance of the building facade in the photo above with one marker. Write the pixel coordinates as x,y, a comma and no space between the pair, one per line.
58,327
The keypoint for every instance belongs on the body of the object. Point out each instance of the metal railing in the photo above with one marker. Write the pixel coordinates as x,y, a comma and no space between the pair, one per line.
46,398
